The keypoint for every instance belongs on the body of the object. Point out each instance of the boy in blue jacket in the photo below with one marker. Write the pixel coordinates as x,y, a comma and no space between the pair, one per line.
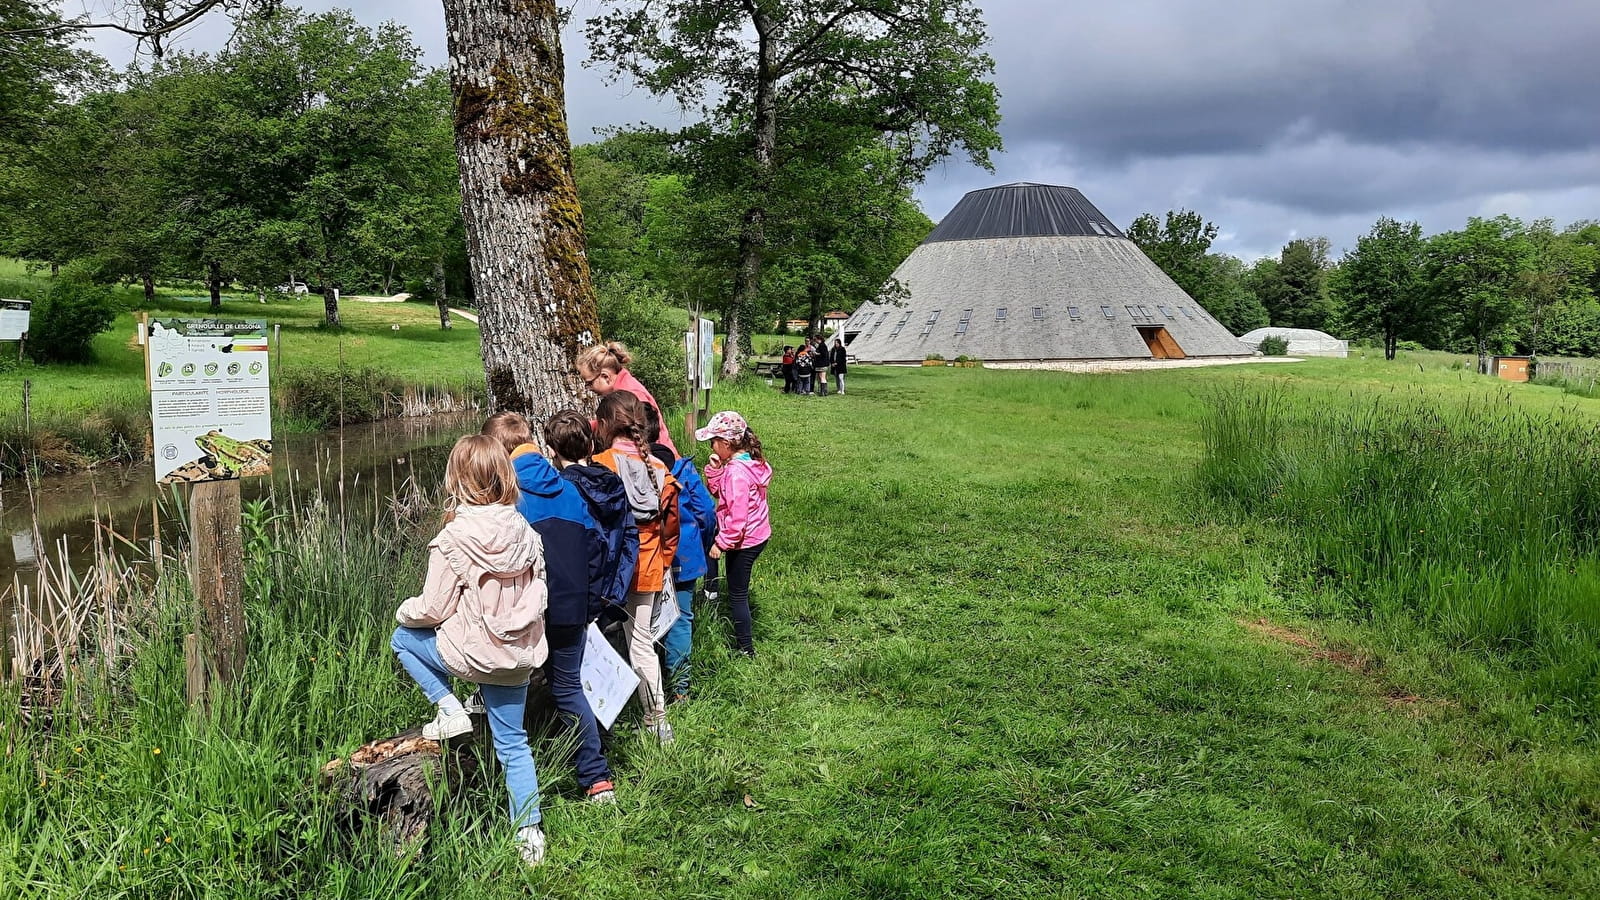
574,553
697,528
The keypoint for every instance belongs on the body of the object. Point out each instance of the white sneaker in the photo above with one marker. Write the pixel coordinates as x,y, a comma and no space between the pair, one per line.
531,841
444,727
662,731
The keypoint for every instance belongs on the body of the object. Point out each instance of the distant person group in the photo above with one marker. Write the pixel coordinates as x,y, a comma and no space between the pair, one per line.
535,548
806,368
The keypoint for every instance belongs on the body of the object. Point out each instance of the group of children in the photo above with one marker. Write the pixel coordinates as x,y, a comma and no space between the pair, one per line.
806,368
534,549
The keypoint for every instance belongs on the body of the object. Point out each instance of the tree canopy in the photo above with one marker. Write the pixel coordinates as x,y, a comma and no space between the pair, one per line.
789,87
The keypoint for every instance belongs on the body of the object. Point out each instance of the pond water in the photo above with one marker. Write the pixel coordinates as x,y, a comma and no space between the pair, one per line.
359,465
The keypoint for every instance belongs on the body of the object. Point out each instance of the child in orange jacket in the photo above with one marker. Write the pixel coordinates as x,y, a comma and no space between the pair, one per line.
653,499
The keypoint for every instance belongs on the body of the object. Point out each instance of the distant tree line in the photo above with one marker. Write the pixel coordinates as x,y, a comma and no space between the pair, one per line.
314,149
1495,286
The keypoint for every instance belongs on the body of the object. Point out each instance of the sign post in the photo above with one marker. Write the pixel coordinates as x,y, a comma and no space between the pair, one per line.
211,424
699,349
14,323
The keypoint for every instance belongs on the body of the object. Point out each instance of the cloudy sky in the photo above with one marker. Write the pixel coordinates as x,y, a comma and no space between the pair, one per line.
1273,118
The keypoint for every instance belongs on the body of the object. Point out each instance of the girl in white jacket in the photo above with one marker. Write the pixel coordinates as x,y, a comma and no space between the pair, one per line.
480,618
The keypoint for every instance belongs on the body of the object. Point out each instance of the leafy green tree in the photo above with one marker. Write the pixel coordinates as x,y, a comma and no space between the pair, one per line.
1179,245
1380,286
39,71
913,71
523,226
1475,274
614,196
1226,294
1294,291
1557,271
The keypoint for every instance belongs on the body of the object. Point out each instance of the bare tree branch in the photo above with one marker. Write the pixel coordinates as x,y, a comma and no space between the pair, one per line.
158,19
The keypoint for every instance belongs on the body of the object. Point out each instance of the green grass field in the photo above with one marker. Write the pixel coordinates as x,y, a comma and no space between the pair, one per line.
111,391
1009,647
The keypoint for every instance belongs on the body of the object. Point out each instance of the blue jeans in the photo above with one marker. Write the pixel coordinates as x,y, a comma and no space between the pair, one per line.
566,686
680,639
418,651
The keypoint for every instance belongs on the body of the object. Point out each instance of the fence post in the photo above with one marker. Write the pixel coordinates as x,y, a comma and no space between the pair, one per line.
217,560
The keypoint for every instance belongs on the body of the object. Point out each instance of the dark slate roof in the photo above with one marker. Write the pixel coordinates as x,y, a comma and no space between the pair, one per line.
1023,210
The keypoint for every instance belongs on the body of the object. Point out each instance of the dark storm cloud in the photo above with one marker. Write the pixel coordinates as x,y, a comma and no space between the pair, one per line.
1175,78
1273,118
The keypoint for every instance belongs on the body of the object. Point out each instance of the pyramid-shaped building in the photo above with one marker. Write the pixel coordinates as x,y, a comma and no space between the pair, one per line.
1029,272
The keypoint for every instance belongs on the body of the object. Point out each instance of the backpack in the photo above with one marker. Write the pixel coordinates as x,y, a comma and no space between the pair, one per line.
644,499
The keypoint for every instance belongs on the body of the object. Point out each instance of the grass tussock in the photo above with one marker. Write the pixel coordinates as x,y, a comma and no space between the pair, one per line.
1479,519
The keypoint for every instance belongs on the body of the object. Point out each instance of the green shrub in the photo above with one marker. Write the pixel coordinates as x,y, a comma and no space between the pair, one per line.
63,327
636,313
934,357
1274,345
1409,346
322,398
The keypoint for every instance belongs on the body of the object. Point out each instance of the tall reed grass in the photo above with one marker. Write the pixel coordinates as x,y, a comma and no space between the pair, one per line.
117,781
1481,520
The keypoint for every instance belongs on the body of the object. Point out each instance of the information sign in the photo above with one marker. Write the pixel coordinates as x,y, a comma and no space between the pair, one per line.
14,319
708,354
210,406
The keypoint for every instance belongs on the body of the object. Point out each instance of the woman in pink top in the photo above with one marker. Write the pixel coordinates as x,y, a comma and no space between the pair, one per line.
738,475
604,369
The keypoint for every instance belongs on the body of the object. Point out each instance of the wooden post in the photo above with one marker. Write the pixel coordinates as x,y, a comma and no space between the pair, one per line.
27,398
194,670
217,554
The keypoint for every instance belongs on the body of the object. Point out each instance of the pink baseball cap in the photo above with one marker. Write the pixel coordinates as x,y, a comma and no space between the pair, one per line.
728,425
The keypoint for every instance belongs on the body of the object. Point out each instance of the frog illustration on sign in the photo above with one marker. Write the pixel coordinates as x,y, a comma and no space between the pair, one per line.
230,458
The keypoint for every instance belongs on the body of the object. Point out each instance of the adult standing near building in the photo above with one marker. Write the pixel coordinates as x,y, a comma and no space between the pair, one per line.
604,370
837,363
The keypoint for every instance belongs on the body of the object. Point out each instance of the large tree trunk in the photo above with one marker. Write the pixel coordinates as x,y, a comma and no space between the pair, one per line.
214,283
330,302
441,294
1390,344
536,303
149,282
753,236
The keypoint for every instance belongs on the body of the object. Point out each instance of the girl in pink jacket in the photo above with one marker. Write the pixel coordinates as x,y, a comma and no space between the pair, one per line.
737,476
480,618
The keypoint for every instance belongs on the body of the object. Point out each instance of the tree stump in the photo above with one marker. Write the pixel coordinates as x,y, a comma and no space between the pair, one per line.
402,780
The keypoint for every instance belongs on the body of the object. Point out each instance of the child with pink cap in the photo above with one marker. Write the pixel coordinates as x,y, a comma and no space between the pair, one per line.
738,475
